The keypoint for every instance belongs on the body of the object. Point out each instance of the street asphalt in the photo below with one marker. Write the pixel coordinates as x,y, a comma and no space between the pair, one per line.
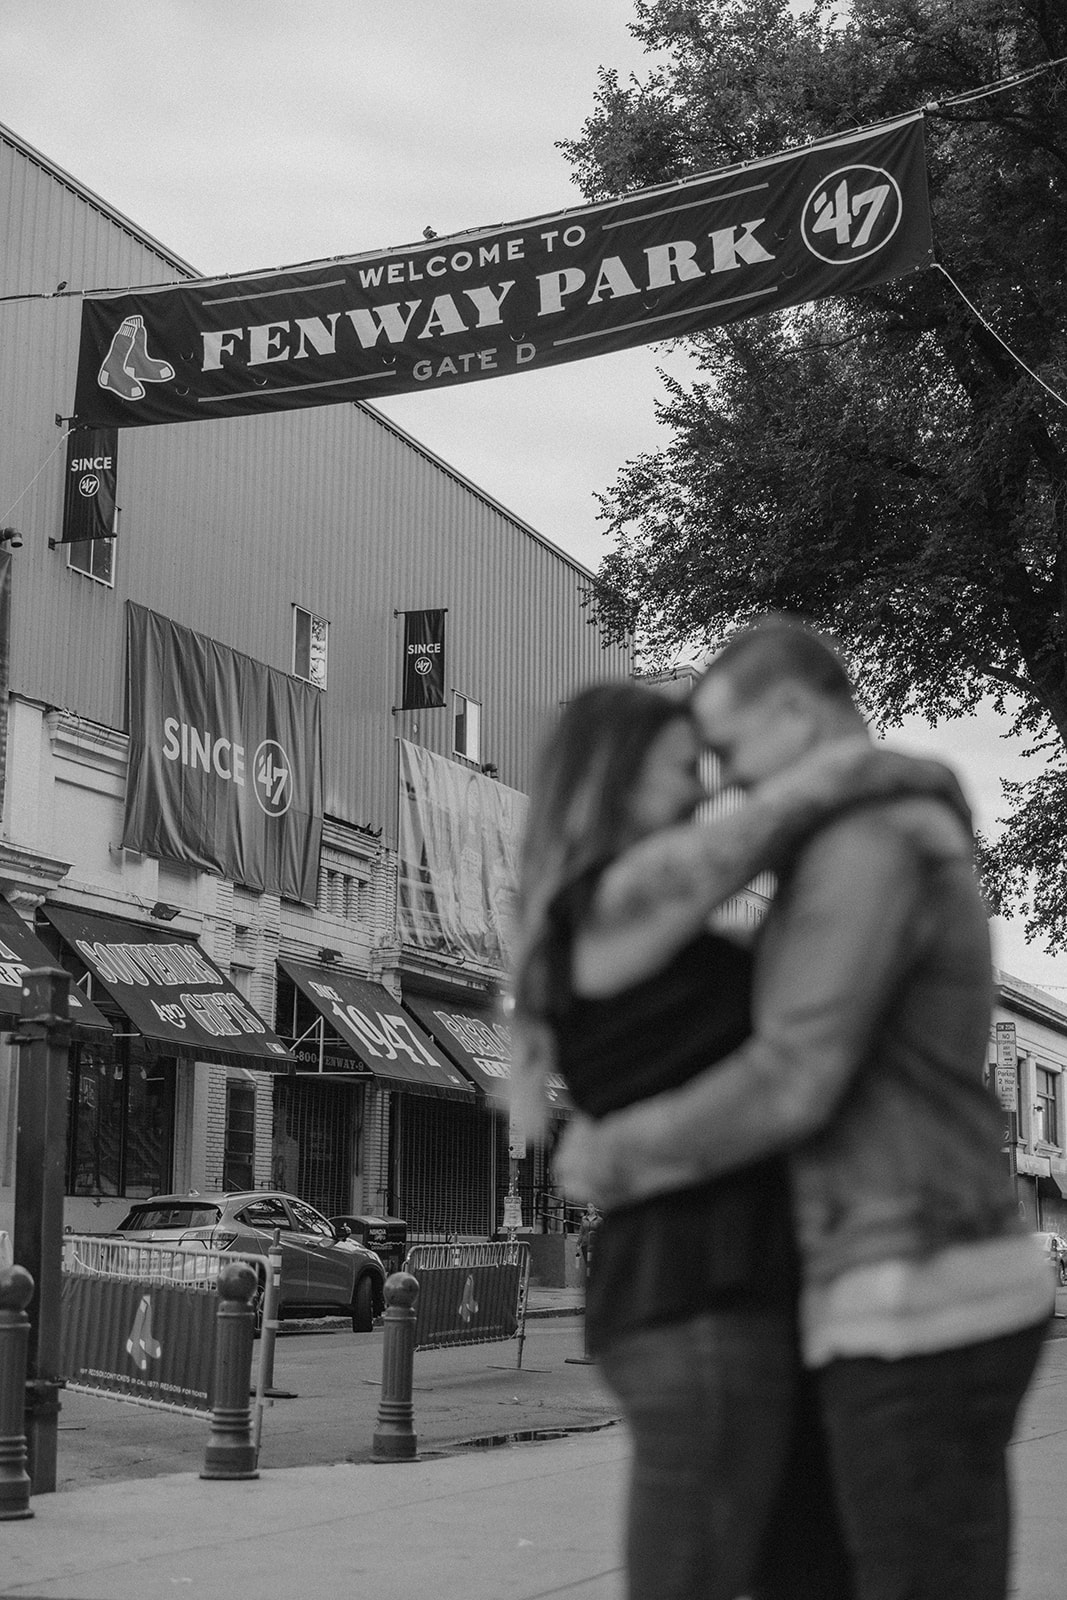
518,1522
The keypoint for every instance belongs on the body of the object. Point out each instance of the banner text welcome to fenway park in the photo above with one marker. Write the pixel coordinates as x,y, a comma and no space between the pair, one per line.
829,219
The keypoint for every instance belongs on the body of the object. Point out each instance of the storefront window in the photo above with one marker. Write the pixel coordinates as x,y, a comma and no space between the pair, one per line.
120,1130
239,1151
94,1133
149,1127
317,1125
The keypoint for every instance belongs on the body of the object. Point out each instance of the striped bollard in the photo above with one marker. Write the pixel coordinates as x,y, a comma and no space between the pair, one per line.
231,1449
395,1438
16,1288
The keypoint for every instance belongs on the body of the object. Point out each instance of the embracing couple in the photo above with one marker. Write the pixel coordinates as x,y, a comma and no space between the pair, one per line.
813,1295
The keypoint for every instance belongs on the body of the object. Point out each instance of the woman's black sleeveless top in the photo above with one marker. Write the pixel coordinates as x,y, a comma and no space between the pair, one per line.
726,1244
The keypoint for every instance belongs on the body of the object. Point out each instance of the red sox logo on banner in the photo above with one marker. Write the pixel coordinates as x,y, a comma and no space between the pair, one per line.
828,219
127,367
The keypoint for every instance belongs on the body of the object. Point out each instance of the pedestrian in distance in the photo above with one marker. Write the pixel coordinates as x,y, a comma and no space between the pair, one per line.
588,1229
923,1301
690,1305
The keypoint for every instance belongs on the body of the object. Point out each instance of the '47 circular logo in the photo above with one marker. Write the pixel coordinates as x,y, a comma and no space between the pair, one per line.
272,778
851,214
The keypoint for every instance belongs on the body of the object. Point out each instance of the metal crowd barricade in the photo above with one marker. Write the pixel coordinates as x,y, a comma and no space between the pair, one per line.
470,1293
138,1321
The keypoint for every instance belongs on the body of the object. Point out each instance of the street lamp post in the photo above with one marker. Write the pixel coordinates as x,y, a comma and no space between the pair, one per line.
40,1160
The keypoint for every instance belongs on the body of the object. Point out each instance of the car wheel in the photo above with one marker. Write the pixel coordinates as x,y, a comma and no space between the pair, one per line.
363,1305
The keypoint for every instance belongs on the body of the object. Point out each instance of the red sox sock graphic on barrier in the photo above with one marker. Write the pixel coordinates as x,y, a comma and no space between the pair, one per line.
128,366
141,1345
468,1306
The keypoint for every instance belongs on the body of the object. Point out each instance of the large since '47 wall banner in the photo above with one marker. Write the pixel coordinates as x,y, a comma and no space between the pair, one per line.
225,759
829,219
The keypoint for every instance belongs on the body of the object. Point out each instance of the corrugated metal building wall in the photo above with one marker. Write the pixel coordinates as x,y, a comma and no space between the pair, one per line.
226,525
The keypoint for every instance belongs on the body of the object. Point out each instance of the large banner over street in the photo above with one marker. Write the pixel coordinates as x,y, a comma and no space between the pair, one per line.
225,759
829,219
460,838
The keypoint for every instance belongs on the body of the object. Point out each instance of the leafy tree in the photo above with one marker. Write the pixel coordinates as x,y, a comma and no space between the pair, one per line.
879,463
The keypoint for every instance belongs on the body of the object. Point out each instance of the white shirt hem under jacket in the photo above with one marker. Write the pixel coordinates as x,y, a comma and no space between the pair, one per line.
959,1296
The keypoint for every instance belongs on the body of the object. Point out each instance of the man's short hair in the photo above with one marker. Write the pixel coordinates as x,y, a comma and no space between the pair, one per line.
779,649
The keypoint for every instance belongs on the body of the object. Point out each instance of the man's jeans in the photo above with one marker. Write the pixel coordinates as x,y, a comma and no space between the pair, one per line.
711,1404
918,1456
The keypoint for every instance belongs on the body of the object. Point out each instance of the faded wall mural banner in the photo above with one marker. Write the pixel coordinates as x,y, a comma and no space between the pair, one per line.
459,840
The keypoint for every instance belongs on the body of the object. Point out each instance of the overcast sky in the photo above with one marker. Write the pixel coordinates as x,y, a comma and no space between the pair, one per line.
258,133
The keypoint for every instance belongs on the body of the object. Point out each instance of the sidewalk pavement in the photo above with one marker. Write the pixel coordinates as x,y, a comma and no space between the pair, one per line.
520,1522
503,1524
542,1302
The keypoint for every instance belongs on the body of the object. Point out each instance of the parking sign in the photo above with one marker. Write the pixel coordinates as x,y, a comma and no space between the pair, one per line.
1007,1053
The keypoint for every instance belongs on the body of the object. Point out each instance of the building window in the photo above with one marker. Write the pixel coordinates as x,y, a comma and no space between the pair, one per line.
466,727
94,558
342,894
239,1147
310,637
1046,1123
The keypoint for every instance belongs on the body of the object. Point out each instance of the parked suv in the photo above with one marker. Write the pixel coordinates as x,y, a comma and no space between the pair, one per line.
324,1271
1056,1249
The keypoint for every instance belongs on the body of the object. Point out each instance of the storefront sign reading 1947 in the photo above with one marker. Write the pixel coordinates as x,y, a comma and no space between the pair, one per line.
386,1038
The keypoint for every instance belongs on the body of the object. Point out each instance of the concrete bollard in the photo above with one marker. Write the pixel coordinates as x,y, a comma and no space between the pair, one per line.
231,1450
16,1289
268,1339
395,1438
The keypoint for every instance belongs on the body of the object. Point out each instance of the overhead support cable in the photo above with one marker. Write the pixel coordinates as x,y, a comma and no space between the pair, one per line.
1003,343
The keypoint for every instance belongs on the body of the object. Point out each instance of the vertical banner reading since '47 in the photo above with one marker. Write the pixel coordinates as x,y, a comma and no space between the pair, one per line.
89,503
225,759
424,660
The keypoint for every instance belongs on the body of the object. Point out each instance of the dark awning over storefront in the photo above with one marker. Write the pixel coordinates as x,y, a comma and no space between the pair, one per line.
478,1041
20,948
170,990
389,1045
